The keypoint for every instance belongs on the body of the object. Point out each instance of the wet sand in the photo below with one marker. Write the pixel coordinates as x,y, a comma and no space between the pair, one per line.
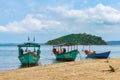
81,70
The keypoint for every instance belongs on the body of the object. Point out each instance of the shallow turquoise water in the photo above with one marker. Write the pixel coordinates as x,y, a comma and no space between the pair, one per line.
9,55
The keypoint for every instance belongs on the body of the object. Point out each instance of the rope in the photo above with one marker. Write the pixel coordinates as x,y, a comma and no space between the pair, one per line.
80,55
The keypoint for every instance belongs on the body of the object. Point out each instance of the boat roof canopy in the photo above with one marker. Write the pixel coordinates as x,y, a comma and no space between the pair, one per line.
67,44
29,44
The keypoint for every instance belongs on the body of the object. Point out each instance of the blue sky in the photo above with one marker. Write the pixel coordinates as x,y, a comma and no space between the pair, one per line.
49,19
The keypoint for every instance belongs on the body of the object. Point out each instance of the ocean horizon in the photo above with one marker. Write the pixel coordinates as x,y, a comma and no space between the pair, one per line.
15,44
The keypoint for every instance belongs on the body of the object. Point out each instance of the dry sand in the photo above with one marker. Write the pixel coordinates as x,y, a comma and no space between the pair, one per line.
81,70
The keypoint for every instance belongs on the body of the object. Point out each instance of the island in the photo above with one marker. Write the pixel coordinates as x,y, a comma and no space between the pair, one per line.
81,38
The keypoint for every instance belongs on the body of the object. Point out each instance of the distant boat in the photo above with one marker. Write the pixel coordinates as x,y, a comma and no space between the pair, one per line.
29,53
65,52
97,55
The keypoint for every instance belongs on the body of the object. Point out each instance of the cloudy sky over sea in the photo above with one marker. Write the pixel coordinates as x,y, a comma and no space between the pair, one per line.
49,19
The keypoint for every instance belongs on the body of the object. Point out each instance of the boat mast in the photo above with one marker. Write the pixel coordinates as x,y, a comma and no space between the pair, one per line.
34,39
28,38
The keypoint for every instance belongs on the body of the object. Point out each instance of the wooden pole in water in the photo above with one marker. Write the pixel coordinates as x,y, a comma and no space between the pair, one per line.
80,55
89,48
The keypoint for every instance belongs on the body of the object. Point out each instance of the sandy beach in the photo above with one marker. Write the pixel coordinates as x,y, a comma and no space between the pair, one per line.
81,70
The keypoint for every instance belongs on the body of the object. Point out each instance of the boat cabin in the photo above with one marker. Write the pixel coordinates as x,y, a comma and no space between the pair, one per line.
29,47
63,48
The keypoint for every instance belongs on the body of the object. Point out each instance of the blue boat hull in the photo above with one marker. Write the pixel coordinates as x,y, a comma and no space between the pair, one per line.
99,55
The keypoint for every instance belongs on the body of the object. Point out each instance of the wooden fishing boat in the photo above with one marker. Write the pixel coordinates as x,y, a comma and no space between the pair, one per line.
97,55
65,55
29,53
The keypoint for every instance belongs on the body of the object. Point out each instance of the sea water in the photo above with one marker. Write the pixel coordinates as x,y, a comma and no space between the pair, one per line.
9,55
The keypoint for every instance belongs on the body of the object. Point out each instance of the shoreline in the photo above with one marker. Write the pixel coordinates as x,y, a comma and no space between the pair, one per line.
80,70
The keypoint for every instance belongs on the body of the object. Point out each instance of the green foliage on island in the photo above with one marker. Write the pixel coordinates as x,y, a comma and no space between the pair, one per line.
83,39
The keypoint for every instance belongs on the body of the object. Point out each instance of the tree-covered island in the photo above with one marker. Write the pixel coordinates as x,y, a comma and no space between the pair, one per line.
83,39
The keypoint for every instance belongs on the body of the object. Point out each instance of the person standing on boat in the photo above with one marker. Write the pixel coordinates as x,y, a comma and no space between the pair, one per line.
60,50
21,50
54,50
64,50
38,52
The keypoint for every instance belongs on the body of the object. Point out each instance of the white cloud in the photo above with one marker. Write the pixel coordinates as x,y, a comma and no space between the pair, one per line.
100,13
96,20
3,29
104,13
29,24
99,18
